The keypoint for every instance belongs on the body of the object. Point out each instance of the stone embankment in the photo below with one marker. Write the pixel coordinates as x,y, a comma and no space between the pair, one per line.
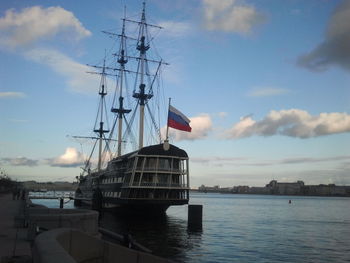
42,218
42,235
69,246
14,246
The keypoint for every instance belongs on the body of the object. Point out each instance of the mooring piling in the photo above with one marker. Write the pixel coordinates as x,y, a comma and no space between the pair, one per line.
195,215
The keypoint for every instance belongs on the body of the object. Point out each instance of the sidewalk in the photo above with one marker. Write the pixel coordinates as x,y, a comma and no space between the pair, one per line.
13,244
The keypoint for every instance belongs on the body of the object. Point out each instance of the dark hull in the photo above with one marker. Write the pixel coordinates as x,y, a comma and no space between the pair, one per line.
141,210
145,209
131,206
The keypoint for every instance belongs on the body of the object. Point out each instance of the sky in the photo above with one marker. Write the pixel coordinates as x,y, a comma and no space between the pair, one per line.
266,85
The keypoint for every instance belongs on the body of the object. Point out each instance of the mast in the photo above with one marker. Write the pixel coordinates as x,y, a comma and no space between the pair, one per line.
121,111
141,95
100,131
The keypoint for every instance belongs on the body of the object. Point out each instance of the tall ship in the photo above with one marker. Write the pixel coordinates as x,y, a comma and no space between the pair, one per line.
134,176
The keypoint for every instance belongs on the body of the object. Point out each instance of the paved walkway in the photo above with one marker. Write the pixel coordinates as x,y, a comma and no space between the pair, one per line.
13,243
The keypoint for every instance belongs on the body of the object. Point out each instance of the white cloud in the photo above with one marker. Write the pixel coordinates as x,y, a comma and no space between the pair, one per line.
175,29
11,94
335,49
293,123
231,16
35,23
201,125
75,73
267,92
71,158
18,29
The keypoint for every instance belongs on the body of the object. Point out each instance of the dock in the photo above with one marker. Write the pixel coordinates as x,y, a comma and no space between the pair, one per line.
32,234
13,244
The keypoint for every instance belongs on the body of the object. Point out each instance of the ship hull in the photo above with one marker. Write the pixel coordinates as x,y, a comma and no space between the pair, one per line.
131,206
146,181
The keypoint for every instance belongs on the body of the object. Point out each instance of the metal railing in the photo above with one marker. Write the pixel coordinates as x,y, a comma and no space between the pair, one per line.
151,184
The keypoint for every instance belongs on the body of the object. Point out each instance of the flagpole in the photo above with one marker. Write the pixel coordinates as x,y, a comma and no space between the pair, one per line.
167,123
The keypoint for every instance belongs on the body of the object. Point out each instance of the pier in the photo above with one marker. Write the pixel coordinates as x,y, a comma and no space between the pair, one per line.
32,234
13,244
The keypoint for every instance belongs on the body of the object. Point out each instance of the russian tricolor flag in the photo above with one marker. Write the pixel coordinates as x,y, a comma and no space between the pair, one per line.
178,120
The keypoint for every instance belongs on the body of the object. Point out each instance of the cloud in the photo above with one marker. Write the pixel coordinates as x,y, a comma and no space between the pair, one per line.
34,23
301,160
297,160
20,161
244,161
19,29
71,158
75,73
267,92
231,16
11,94
222,114
201,126
335,48
293,123
175,29
217,160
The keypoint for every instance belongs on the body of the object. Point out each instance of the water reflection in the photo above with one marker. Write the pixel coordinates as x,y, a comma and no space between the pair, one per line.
166,235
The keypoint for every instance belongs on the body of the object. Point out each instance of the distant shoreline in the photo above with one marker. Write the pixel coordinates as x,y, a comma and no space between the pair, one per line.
49,186
227,193
273,188
276,188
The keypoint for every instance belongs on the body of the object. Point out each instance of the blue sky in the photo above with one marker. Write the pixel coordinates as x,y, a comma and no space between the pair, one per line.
265,84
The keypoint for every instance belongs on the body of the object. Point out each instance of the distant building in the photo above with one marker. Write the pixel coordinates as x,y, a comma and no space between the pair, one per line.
259,190
204,188
285,188
327,190
241,189
49,186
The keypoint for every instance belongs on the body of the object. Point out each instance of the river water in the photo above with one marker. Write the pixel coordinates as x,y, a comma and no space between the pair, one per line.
244,228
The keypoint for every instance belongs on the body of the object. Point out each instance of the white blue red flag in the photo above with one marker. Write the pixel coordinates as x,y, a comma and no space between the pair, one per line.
178,120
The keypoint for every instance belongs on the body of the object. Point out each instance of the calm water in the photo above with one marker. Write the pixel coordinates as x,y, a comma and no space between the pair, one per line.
245,228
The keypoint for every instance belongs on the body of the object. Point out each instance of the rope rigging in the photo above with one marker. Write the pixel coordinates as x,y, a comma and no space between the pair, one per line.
154,122
145,78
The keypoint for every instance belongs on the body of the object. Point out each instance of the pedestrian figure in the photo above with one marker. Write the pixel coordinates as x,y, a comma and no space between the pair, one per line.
23,194
97,202
14,192
127,240
18,192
